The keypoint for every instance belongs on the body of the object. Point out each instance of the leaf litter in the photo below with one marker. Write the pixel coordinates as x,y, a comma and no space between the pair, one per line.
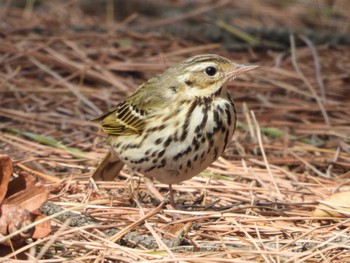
61,66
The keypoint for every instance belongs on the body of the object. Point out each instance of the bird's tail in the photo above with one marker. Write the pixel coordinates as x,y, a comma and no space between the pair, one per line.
109,168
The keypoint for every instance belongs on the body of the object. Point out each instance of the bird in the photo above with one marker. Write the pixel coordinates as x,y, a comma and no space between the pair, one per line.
175,124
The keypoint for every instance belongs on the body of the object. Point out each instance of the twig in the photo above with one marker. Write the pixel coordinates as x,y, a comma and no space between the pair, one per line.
196,12
313,168
317,66
136,223
71,87
251,240
258,133
42,175
307,83
159,241
52,239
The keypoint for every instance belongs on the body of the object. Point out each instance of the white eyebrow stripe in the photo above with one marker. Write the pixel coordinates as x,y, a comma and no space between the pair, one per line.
201,66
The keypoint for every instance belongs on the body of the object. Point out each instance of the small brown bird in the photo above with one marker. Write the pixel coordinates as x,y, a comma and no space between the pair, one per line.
175,124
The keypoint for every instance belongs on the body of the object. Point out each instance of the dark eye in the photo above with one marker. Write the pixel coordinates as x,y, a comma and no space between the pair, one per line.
211,71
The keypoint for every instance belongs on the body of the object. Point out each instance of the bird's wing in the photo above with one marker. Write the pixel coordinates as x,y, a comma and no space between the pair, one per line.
123,119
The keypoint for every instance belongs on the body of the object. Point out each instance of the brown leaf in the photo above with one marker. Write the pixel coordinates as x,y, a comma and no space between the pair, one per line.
13,218
30,199
178,230
23,181
43,229
5,173
336,205
16,210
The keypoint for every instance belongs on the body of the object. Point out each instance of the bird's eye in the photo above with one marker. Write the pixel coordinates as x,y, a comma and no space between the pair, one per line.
211,71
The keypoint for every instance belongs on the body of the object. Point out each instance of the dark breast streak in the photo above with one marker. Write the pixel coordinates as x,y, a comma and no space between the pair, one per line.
185,149
205,141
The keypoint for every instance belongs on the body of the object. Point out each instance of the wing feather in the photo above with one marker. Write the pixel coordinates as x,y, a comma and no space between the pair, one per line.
124,119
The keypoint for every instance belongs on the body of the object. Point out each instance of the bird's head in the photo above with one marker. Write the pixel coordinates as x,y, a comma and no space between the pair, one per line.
202,75
196,77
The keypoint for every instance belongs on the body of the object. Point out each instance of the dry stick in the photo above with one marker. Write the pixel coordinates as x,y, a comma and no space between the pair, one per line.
261,240
251,240
305,80
159,241
290,175
334,160
18,144
23,249
190,259
52,239
317,66
185,51
20,53
71,87
298,238
88,64
47,239
40,118
136,223
105,243
261,182
249,121
308,255
323,253
58,59
283,85
313,168
264,155
37,148
153,190
42,175
339,254
190,14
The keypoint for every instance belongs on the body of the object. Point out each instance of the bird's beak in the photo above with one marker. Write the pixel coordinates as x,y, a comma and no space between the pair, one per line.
241,69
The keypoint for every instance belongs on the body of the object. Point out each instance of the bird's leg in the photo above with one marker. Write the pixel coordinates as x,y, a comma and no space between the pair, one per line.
150,186
171,196
134,186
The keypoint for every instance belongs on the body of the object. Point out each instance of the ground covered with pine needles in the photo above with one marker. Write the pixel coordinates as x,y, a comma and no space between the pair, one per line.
61,66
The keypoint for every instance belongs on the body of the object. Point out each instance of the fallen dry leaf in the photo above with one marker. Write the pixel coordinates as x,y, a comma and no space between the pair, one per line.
13,218
30,199
17,210
43,229
22,182
178,230
336,205
5,173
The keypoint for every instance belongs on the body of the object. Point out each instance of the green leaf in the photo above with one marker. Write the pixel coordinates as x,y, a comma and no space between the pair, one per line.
50,141
279,133
217,176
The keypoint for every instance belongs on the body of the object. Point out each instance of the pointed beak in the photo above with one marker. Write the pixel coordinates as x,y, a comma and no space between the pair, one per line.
242,69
